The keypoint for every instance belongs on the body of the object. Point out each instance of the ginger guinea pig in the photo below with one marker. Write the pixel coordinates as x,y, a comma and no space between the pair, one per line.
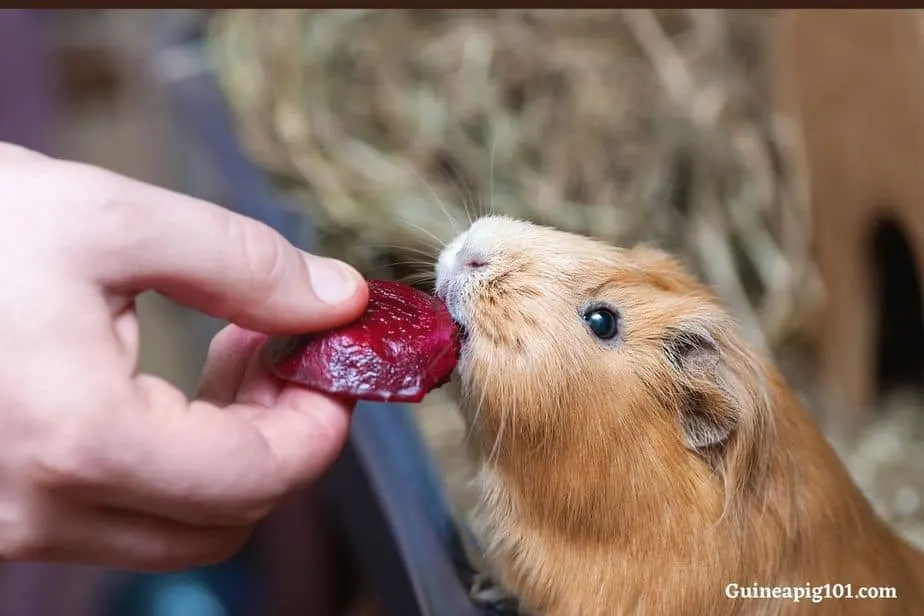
635,456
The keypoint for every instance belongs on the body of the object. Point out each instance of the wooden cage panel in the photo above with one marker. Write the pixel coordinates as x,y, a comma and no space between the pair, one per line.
855,82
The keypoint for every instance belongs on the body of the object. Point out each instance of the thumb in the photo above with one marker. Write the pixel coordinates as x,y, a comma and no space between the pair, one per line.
224,264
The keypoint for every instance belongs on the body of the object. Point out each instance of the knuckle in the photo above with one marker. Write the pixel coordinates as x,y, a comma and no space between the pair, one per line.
98,200
77,449
107,205
89,180
67,465
224,340
264,255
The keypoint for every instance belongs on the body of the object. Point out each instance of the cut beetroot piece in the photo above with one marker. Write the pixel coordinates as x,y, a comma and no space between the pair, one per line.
403,346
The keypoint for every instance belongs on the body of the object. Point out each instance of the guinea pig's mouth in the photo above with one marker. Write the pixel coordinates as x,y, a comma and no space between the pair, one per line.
463,331
451,300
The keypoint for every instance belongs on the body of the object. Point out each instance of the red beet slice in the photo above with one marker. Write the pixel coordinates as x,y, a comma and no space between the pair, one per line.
404,346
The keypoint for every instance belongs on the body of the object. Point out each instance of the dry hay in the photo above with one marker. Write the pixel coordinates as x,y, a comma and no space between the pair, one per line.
395,127
885,456
628,126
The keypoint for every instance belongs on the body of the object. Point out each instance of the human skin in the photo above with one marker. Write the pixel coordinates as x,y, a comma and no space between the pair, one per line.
103,465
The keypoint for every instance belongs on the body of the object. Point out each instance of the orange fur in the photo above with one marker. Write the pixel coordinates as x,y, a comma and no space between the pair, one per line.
593,502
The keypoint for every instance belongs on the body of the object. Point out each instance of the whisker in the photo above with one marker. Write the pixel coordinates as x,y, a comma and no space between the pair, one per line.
429,234
412,262
427,240
418,278
491,208
454,182
474,208
411,249
423,276
465,201
439,202
470,196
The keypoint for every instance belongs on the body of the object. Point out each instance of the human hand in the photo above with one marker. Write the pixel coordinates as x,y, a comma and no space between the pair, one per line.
100,464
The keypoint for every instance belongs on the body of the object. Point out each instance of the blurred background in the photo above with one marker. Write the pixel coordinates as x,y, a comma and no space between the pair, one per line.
776,152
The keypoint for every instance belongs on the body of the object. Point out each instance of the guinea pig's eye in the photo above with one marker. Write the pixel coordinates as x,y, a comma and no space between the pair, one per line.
603,322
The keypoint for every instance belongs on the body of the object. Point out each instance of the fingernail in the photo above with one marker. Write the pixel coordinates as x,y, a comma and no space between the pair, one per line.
333,281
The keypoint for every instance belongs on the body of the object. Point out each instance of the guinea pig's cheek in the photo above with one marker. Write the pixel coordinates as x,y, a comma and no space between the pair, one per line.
464,365
452,296
447,266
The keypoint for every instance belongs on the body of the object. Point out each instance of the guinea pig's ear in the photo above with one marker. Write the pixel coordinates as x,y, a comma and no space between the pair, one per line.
708,415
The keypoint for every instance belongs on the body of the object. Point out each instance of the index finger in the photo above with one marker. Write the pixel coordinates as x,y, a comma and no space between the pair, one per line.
219,262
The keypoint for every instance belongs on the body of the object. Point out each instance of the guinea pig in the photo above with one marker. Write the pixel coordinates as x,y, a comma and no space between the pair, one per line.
635,455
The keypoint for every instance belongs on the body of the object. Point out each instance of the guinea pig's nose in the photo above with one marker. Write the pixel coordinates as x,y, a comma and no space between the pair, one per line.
475,262
471,258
